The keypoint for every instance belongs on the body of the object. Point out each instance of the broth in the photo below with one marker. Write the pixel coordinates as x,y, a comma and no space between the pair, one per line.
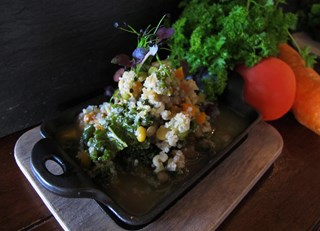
140,191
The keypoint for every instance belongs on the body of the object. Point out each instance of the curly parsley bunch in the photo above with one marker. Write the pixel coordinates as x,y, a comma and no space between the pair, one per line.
219,35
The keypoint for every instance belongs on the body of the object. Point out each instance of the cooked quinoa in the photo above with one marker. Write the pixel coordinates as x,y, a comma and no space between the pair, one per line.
153,110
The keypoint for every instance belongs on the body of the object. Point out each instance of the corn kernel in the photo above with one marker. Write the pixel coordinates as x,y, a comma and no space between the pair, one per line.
162,132
151,130
125,96
141,134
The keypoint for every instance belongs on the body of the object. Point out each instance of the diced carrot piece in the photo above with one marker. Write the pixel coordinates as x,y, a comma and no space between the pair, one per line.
201,118
179,74
190,109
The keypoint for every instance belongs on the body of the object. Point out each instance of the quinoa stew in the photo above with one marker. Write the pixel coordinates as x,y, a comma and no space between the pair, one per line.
147,187
158,134
125,178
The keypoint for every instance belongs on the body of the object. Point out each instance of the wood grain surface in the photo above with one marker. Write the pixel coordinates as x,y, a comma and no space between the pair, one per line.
288,198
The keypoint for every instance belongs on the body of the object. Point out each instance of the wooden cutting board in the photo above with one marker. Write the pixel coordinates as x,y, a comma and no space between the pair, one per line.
204,207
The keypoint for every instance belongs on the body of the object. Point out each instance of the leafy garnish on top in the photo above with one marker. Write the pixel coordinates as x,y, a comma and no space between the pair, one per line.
149,42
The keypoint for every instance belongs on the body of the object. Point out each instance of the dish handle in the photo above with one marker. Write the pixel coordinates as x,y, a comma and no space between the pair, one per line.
58,173
65,178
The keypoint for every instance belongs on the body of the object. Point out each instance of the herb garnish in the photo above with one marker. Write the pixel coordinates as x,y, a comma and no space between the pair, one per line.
219,35
149,41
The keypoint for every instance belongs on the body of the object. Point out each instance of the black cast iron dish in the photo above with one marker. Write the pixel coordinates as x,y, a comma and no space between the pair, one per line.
74,182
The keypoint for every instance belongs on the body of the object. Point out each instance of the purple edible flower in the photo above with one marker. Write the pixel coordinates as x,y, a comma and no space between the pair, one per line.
122,60
149,42
164,33
139,53
152,51
118,74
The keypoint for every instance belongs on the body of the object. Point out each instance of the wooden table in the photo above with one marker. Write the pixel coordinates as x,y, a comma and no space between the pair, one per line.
286,197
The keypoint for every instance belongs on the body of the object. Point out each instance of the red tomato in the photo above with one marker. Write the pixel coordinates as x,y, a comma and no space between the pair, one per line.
269,87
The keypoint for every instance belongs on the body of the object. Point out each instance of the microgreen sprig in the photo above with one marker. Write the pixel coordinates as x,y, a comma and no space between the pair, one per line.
150,40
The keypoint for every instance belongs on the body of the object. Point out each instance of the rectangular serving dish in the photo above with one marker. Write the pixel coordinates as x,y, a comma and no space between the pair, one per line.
74,182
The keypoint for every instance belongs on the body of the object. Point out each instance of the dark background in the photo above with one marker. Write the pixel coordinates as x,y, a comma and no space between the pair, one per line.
54,54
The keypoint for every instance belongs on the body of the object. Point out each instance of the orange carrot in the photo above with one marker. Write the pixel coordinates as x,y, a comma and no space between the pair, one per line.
179,74
306,107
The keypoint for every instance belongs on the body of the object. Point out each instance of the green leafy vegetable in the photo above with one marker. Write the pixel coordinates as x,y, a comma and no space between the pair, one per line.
118,134
219,35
